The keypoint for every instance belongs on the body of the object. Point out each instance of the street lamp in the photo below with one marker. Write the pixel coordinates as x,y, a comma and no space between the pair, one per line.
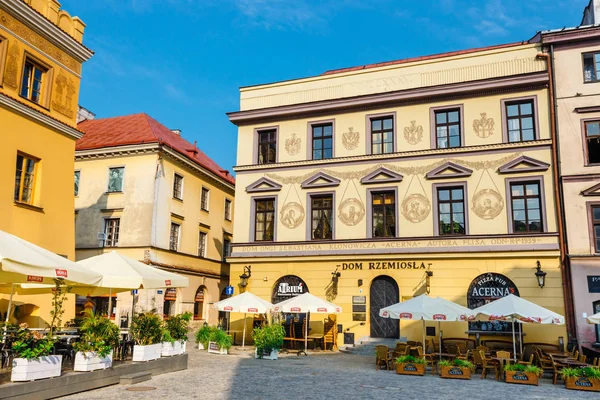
245,276
540,275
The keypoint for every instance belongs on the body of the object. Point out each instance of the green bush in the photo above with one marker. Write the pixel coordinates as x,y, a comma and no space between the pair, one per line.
204,335
223,340
268,338
591,373
410,359
532,369
176,328
98,334
456,363
31,344
146,329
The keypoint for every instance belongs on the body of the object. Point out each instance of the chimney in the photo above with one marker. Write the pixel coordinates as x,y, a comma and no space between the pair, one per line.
176,131
83,114
591,14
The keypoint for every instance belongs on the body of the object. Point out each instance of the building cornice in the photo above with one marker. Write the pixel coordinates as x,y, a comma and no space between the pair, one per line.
117,151
47,29
371,158
38,116
379,100
571,35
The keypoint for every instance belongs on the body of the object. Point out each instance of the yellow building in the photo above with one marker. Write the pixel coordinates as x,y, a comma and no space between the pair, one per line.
41,55
575,53
373,184
143,190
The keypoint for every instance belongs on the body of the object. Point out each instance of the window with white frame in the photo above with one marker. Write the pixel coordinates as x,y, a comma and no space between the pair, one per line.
115,179
174,236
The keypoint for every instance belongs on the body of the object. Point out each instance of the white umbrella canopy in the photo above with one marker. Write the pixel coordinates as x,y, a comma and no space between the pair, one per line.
594,319
40,288
244,303
23,262
119,271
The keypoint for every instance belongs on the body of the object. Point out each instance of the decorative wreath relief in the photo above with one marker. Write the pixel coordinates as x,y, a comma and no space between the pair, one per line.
416,208
292,215
292,145
487,204
413,133
350,139
351,211
484,127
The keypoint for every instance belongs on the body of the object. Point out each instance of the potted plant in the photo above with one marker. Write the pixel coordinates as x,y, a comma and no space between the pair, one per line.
204,335
268,340
410,365
175,334
523,374
587,378
32,356
219,342
456,369
99,336
147,333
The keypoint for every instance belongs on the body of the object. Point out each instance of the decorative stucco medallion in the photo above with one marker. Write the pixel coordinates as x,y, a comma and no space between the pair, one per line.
11,74
487,204
416,208
350,139
64,91
483,127
413,133
292,215
351,211
292,145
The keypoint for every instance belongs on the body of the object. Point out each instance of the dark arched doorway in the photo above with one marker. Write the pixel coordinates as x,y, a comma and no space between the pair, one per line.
384,292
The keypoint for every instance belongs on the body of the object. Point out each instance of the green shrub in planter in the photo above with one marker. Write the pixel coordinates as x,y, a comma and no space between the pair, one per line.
456,363
146,329
222,339
410,359
268,338
176,328
31,344
204,335
98,334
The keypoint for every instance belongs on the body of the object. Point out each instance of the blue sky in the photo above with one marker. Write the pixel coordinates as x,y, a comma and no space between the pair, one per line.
182,61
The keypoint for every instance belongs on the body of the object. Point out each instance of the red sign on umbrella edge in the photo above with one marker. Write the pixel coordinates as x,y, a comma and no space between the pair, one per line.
253,310
167,282
61,273
227,308
34,278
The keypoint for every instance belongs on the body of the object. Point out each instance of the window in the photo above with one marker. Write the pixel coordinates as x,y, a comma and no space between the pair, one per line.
226,249
111,232
322,217
199,303
322,141
170,301
228,209
178,187
31,86
447,128
264,219
267,146
451,211
25,178
76,179
384,214
382,135
202,245
596,226
174,236
115,179
526,207
520,121
591,67
204,197
592,140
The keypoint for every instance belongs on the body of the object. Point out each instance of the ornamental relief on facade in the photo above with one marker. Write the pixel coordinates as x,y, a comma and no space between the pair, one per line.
292,211
11,74
64,90
350,139
487,204
484,126
351,211
293,144
413,133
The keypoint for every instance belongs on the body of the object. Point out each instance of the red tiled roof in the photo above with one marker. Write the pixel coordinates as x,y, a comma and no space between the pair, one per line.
422,58
141,129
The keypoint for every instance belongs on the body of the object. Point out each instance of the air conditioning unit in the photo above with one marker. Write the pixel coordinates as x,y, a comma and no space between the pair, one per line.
101,236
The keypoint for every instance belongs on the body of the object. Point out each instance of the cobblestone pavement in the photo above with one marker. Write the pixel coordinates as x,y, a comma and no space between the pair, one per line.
318,376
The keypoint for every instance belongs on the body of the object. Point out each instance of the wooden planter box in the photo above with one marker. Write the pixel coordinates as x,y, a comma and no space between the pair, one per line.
410,369
147,353
36,368
172,349
267,356
91,361
582,383
454,372
522,378
215,349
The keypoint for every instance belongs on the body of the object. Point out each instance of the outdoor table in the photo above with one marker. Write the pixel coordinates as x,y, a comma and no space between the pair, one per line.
67,338
559,354
502,362
234,332
443,355
314,337
573,363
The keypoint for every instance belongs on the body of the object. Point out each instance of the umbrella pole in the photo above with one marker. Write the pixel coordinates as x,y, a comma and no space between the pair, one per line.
109,303
440,334
424,351
514,342
305,333
12,290
244,333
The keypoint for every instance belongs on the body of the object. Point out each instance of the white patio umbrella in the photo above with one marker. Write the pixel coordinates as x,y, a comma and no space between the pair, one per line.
516,309
307,303
594,319
23,262
427,308
244,303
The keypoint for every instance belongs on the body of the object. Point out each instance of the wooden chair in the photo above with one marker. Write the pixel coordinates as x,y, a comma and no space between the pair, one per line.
329,334
428,359
582,358
524,362
289,335
595,362
576,355
383,357
556,369
487,364
478,359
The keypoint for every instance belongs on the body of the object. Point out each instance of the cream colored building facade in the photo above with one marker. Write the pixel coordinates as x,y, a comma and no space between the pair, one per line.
159,188
576,53
370,185
41,58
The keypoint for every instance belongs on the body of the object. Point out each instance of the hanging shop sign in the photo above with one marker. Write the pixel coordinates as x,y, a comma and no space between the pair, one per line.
485,289
593,284
288,286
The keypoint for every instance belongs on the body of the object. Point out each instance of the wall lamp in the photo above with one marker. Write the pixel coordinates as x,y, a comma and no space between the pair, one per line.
540,275
245,276
428,275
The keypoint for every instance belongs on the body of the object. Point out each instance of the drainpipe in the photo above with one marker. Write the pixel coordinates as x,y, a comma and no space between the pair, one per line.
559,196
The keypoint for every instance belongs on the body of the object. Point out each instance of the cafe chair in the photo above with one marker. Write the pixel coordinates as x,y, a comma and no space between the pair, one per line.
383,357
595,362
556,369
582,358
524,362
487,364
478,359
576,355
428,359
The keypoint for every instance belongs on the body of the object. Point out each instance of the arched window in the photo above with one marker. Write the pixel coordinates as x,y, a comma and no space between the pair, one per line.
199,303
169,302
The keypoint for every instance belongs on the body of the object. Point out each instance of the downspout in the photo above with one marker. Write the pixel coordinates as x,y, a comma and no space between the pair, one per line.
559,196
